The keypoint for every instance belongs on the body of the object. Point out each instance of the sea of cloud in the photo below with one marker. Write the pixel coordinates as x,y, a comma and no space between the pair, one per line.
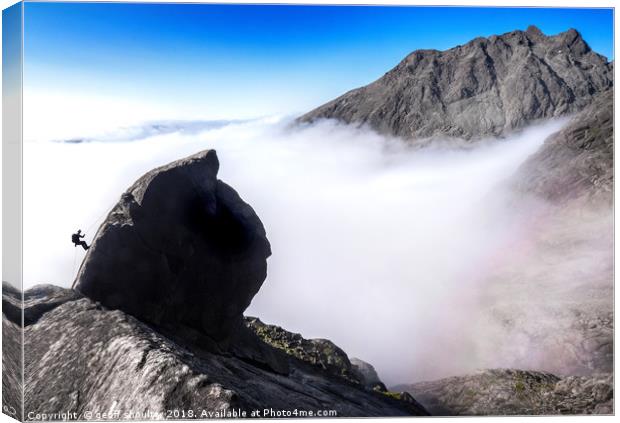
377,246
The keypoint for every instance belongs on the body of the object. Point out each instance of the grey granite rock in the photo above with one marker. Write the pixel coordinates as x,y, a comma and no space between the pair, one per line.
487,87
12,363
318,352
36,301
12,301
81,357
180,249
326,356
515,392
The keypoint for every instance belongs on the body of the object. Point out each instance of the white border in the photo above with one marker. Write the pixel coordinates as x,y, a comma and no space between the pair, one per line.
487,3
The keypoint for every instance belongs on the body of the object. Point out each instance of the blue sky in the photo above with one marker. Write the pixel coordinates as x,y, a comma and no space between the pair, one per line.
229,61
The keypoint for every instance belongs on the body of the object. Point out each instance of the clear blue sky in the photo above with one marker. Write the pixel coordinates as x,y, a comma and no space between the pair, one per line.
244,60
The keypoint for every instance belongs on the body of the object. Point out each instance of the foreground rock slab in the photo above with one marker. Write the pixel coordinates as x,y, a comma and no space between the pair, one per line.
81,357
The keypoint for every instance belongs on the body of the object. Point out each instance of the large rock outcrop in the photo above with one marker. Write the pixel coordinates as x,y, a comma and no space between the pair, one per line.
509,392
180,249
487,87
83,360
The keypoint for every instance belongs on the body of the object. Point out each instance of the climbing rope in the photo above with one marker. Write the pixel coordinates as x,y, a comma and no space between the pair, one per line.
74,259
73,275
98,220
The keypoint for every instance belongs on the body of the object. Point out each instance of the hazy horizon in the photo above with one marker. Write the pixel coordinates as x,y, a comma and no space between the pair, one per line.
90,67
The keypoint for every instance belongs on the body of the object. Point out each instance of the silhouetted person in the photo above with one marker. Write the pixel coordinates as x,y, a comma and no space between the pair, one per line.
75,238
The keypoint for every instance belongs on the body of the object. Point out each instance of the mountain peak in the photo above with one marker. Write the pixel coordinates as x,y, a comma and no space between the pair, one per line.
487,87
571,33
574,41
534,30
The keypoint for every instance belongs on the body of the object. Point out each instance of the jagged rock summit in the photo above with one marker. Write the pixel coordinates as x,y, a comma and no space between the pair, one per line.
180,249
487,87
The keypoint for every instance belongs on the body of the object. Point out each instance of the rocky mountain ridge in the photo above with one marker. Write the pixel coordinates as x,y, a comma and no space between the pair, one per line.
515,392
488,87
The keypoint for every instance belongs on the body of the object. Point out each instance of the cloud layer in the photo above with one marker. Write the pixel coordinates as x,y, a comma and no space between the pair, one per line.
377,246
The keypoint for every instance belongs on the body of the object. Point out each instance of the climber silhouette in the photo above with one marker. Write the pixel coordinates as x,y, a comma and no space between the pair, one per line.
75,238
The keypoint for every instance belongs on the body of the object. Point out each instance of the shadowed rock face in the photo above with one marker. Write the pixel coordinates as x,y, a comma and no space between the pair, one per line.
487,87
179,249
